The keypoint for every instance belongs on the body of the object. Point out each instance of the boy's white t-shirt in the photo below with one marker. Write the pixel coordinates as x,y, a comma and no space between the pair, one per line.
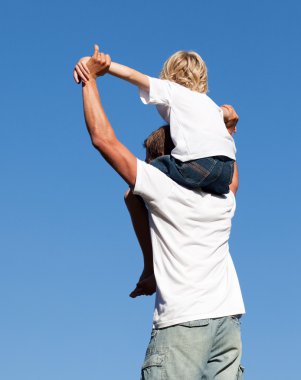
195,275
197,126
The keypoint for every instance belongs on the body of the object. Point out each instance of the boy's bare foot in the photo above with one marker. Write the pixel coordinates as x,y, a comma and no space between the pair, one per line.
145,287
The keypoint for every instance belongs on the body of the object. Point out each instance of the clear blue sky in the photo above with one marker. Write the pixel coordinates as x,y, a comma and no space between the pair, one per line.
69,257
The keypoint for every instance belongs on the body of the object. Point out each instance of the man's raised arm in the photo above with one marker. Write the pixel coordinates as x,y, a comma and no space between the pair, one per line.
99,127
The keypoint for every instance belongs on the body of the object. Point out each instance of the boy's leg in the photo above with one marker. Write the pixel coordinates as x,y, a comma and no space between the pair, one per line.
211,174
235,181
139,217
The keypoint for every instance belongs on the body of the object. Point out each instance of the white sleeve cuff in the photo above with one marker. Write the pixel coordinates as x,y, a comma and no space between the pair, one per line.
144,96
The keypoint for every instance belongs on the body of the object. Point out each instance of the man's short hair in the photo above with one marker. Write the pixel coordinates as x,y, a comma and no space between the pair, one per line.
158,143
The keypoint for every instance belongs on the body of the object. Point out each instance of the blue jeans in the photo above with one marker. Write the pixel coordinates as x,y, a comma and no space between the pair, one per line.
206,349
211,174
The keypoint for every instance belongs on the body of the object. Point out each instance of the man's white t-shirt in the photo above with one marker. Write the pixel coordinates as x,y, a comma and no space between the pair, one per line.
197,125
195,275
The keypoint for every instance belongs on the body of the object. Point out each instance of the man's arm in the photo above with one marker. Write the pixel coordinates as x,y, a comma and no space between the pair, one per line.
231,119
101,132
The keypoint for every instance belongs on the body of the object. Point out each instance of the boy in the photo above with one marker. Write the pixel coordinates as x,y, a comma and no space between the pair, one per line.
204,152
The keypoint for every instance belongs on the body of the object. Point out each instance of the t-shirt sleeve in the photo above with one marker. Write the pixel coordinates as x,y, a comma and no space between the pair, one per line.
160,92
151,184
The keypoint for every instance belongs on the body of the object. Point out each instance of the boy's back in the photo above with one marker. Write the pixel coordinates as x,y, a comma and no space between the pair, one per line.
197,125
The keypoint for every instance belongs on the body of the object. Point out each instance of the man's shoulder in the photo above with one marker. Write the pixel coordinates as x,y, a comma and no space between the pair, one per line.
151,183
146,171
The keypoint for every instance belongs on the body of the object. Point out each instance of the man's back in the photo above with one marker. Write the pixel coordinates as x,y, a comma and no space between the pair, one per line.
194,271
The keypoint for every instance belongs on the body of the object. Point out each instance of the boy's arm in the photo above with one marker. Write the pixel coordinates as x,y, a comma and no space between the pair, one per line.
130,75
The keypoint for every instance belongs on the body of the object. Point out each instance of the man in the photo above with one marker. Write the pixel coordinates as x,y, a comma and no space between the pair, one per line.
196,331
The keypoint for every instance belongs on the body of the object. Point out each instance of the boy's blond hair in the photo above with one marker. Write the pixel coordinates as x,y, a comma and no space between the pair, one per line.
188,69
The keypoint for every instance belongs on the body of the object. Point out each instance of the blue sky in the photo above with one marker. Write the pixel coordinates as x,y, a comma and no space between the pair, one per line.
69,257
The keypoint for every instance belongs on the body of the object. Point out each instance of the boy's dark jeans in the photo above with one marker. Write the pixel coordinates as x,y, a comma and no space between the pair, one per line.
211,174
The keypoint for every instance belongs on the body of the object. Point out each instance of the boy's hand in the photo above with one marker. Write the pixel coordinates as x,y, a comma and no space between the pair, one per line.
94,66
230,117
99,63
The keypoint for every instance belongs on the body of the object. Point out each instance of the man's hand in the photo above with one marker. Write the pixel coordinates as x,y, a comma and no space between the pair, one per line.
94,66
81,72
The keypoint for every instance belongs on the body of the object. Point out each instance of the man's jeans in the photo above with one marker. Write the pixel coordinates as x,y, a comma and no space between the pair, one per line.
204,349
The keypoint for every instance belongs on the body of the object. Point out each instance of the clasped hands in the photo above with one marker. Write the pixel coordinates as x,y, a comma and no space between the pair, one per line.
94,66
